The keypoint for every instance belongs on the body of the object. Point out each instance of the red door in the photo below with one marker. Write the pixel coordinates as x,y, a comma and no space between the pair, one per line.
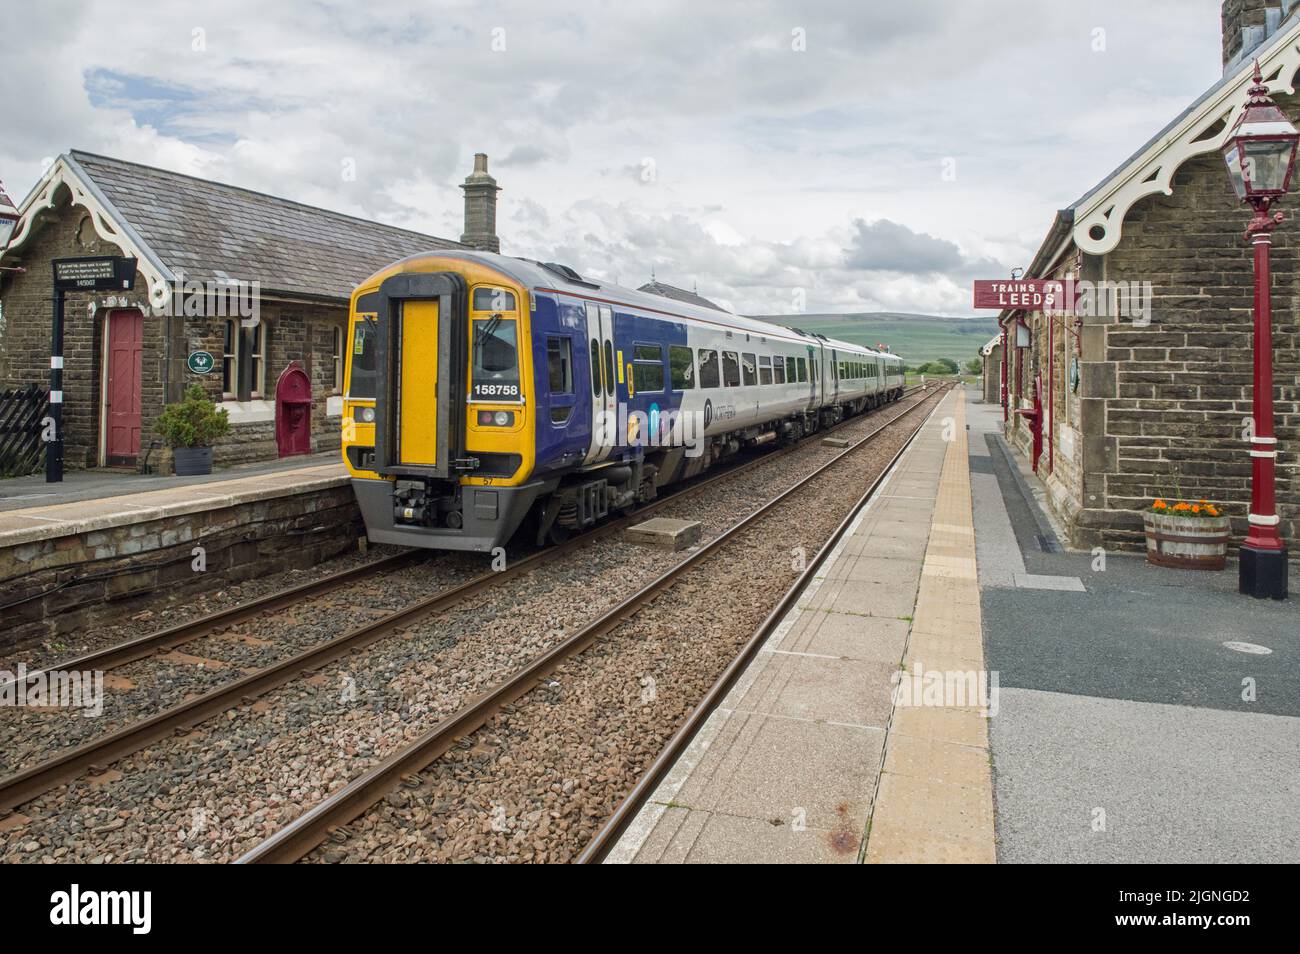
125,332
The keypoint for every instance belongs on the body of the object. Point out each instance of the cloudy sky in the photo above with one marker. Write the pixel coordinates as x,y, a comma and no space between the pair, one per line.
860,155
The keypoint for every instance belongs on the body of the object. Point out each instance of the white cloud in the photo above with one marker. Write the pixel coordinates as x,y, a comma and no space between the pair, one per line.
764,157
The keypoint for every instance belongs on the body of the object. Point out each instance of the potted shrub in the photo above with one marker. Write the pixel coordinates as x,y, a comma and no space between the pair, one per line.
190,428
1184,534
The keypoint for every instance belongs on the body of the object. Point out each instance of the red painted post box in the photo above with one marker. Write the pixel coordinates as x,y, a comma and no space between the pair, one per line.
293,411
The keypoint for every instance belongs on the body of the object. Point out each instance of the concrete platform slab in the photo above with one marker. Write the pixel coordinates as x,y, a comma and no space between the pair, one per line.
870,638
822,689
732,839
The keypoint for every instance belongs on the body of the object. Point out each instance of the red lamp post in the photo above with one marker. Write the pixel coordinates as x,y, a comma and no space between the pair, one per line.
1260,152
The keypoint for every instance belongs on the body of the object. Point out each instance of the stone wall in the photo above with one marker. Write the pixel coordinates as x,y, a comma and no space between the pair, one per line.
1235,14
296,332
66,582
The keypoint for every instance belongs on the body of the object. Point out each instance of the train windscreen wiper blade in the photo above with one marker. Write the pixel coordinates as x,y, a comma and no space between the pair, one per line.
487,332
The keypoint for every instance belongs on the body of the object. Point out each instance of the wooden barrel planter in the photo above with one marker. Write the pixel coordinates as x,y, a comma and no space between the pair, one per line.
1189,543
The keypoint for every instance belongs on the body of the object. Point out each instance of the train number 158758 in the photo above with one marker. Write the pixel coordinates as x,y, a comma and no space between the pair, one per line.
496,391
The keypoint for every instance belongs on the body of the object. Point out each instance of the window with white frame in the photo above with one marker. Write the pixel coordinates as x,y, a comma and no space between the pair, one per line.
336,353
257,358
230,360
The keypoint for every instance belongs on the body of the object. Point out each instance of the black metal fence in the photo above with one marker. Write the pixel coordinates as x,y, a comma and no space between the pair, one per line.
22,411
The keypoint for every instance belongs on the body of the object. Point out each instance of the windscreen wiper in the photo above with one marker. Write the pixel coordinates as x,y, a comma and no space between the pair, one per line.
489,331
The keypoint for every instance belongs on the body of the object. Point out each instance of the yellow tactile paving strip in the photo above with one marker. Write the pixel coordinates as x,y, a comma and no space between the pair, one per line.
80,516
934,802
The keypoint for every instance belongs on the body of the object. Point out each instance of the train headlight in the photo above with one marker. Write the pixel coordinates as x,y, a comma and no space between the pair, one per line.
496,418
366,415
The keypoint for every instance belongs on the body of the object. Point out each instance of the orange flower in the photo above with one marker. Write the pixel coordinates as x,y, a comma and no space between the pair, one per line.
1159,505
1213,510
1196,508
1182,506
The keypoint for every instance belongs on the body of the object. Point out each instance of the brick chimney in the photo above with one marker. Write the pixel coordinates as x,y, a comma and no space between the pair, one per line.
481,207
1246,23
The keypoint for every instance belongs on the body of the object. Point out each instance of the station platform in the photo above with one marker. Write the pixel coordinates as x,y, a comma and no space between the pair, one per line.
819,753
72,553
21,493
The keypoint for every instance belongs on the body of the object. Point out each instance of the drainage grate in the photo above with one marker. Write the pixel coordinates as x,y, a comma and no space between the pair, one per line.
1047,544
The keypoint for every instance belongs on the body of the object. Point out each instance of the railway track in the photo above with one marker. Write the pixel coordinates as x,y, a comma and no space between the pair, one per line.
329,818
94,756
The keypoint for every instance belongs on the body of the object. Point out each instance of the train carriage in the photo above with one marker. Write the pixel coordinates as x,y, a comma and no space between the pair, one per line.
484,392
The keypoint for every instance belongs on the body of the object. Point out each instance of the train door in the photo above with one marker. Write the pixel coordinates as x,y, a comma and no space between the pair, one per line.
420,327
833,387
812,377
604,403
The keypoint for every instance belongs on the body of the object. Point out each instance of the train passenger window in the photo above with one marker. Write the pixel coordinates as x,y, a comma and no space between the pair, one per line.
609,367
803,370
791,370
595,367
708,369
494,372
559,365
493,299
778,370
764,370
681,367
730,369
648,367
748,365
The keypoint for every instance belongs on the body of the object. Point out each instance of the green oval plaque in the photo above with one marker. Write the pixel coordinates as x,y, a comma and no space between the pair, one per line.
200,362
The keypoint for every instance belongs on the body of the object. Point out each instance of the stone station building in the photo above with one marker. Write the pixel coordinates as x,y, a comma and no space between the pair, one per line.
126,353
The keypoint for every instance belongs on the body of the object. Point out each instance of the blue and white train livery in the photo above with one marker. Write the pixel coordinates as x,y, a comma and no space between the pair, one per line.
483,392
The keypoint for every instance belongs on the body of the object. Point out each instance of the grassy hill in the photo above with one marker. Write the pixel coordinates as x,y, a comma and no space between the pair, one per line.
915,338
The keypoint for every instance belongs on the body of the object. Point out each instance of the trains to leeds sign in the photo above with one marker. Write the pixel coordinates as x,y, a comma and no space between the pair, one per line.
1029,294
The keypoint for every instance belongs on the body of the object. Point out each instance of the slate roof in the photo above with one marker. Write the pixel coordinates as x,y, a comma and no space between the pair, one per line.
202,227
678,294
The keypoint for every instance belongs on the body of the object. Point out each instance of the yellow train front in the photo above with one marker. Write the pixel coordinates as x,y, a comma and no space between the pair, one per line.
431,336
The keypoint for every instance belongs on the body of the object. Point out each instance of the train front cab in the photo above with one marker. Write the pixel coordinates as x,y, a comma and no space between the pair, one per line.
428,468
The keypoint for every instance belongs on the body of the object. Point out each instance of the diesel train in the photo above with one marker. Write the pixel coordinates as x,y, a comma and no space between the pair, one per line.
484,392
